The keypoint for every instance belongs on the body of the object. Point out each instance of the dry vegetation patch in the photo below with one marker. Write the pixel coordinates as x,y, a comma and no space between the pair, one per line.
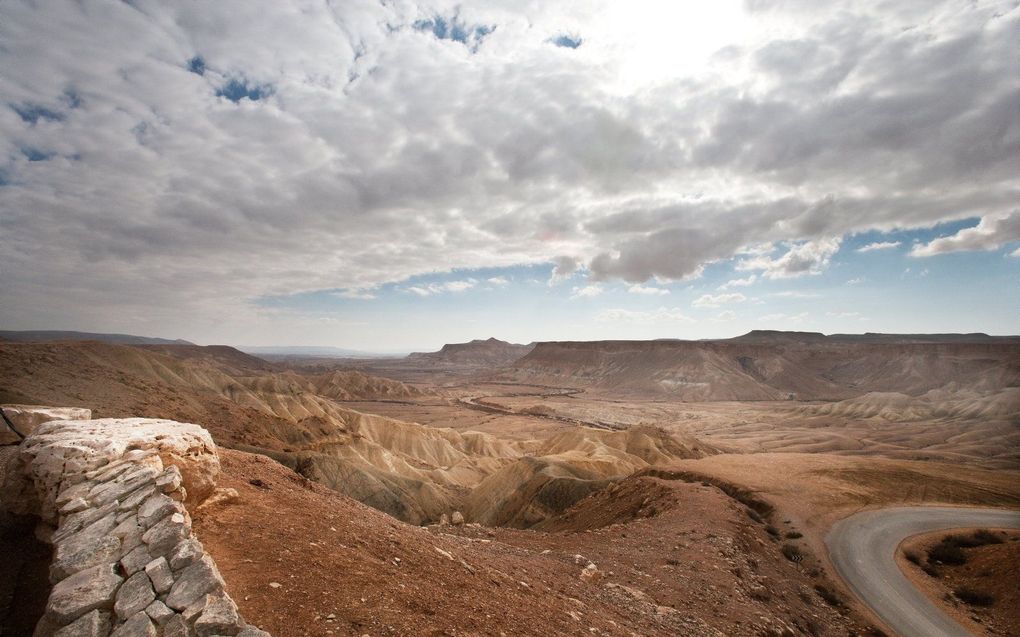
971,574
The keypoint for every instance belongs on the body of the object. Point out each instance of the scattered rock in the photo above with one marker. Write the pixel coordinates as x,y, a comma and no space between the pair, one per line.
193,583
219,617
93,624
185,554
85,591
457,519
134,596
139,625
160,575
221,497
166,534
159,612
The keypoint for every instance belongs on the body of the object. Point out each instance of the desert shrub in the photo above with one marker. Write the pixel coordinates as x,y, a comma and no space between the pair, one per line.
771,530
751,513
794,535
974,597
792,553
930,570
984,536
830,597
947,552
912,557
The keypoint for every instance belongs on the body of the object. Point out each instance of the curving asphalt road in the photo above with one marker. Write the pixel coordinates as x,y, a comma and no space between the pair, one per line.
863,549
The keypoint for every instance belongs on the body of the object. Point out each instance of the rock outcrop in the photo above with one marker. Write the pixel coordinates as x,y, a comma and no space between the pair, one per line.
26,418
125,559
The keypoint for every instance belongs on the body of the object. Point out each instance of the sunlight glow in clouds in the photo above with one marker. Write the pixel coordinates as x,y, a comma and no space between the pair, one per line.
264,174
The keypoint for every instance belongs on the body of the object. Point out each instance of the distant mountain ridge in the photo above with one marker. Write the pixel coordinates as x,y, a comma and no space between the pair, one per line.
777,365
42,336
489,352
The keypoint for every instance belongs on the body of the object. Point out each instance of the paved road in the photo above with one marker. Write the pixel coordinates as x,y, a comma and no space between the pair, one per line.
863,548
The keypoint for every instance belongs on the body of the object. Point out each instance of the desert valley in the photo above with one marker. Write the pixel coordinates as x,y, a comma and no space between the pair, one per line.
455,318
614,488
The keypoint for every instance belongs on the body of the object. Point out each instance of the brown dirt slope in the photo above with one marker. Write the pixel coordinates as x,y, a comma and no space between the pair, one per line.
698,568
989,569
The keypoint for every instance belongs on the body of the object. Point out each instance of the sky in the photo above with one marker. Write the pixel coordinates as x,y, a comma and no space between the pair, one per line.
395,175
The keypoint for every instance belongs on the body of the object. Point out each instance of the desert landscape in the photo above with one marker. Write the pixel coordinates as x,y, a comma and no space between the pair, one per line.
616,488
454,318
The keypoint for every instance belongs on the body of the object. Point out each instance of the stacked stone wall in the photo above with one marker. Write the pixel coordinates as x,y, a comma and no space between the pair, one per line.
112,498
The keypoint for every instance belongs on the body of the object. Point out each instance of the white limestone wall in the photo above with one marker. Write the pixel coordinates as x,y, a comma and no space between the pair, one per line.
112,495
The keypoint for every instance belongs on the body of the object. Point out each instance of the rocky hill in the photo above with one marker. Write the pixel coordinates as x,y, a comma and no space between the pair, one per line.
41,336
413,472
777,366
489,353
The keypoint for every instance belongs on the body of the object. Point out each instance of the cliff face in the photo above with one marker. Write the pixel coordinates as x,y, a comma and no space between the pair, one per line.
762,366
487,353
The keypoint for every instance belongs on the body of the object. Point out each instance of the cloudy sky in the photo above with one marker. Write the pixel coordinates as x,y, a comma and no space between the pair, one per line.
393,175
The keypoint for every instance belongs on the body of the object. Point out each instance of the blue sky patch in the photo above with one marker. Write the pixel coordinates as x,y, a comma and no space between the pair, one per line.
456,30
72,98
34,154
197,65
237,89
32,113
567,41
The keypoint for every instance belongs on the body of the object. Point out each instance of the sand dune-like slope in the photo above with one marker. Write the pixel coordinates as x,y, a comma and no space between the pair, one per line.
406,469
567,468
410,471
940,404
776,366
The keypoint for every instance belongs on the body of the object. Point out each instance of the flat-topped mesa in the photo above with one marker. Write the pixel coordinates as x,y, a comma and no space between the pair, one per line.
125,561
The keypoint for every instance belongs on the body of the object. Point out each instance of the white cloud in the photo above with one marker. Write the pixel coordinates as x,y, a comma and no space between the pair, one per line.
856,280
440,288
498,280
991,233
586,292
709,300
796,294
734,283
809,257
843,314
355,294
563,269
880,245
647,290
726,315
153,194
661,315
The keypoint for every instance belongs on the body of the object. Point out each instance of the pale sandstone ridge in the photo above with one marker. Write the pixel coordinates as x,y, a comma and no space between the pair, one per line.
125,561
26,418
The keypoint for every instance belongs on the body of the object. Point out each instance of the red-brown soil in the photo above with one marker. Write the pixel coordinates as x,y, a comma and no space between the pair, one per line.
691,563
992,569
